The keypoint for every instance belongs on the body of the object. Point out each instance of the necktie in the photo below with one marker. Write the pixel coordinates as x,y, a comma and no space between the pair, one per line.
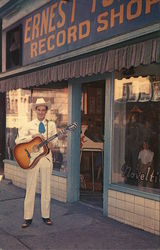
41,128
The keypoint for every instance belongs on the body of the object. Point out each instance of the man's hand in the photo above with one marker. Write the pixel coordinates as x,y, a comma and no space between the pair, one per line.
50,145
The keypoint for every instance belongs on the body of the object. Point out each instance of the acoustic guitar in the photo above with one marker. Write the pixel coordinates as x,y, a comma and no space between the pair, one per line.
26,155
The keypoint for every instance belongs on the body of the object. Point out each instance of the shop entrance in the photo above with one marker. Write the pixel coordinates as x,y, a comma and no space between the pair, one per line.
92,134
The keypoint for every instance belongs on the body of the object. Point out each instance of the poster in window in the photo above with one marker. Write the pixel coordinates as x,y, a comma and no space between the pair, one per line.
156,91
122,93
133,92
145,91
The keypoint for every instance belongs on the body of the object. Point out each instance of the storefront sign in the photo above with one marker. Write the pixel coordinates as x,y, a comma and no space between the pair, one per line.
64,26
148,176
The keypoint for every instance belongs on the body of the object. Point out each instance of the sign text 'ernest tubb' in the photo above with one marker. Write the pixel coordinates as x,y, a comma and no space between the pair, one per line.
62,26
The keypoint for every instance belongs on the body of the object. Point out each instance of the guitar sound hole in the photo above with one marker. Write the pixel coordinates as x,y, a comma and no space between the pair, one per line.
28,154
35,149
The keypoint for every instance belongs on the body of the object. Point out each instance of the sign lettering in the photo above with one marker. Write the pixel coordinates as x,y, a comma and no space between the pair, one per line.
62,26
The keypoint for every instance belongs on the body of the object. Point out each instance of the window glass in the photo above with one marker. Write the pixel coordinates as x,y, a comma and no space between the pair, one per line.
13,47
18,112
136,132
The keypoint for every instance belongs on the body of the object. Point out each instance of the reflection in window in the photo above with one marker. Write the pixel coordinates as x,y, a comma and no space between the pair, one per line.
18,112
136,132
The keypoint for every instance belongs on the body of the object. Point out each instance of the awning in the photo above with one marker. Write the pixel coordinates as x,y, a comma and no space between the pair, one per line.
142,53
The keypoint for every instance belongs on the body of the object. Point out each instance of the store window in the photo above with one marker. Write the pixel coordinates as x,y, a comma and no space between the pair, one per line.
18,113
13,47
136,133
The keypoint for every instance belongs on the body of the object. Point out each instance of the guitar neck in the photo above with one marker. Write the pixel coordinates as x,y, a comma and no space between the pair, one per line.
70,127
51,138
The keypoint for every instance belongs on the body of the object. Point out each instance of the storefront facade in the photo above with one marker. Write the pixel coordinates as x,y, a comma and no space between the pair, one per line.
103,71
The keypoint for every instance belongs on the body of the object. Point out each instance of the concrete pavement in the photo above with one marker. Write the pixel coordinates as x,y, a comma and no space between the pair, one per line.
76,226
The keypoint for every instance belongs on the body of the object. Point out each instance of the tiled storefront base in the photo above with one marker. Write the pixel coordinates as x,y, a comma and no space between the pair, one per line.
18,177
136,211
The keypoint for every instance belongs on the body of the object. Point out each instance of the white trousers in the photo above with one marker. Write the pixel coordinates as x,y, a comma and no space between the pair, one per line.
44,166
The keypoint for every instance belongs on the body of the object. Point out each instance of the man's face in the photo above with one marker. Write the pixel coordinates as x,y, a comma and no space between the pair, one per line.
145,145
41,112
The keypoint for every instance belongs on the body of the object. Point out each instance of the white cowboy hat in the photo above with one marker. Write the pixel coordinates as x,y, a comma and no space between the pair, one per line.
40,102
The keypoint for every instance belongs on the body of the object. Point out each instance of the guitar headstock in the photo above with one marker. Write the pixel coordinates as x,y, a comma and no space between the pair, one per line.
72,126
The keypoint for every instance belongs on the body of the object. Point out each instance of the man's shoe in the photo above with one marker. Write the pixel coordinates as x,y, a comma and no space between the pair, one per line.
26,223
47,221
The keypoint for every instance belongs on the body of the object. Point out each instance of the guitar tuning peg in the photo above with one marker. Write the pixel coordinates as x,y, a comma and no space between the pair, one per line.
75,124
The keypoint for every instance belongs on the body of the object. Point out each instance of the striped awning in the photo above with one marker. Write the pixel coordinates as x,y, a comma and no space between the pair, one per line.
142,53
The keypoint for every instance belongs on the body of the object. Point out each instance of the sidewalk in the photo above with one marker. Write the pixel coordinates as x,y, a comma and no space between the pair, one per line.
76,226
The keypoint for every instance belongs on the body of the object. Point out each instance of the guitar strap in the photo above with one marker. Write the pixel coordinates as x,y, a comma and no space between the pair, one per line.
47,128
47,133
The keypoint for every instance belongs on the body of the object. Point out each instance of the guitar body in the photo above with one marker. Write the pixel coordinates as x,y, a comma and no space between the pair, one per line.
25,156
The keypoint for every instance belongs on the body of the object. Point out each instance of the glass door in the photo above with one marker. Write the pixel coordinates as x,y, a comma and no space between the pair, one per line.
92,133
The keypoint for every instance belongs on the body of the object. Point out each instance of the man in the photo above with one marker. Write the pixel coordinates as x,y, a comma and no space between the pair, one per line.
145,162
39,126
145,156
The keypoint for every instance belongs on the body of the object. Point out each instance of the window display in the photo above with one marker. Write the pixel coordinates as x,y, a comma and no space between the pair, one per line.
18,112
136,133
